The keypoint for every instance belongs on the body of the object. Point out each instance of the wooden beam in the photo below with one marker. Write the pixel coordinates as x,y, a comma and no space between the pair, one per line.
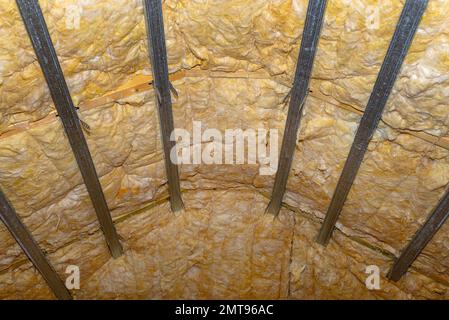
141,83
434,222
48,60
24,238
137,84
399,45
158,59
298,95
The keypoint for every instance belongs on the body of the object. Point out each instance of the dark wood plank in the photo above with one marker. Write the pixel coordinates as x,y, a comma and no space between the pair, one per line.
399,45
158,59
298,95
48,60
434,222
24,238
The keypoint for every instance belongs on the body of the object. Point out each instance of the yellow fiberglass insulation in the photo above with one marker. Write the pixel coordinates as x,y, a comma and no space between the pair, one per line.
237,60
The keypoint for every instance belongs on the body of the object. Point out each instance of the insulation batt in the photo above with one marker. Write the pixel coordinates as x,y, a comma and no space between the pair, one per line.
223,246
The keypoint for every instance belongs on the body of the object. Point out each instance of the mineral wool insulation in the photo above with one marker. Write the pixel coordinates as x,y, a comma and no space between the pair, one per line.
234,62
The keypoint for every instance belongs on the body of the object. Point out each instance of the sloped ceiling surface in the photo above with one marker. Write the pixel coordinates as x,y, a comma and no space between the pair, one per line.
238,60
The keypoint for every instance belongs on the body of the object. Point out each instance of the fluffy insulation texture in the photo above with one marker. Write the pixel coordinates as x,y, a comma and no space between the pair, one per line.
222,245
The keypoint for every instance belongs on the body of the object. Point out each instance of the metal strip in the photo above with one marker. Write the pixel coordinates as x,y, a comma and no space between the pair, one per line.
24,238
399,45
421,239
48,60
158,59
298,96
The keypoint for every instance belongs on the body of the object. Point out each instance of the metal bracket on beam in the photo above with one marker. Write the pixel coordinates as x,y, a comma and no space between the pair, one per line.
399,45
421,239
158,59
48,60
24,238
298,95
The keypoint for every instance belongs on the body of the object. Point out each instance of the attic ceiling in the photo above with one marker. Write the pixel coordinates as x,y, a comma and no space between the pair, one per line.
232,64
